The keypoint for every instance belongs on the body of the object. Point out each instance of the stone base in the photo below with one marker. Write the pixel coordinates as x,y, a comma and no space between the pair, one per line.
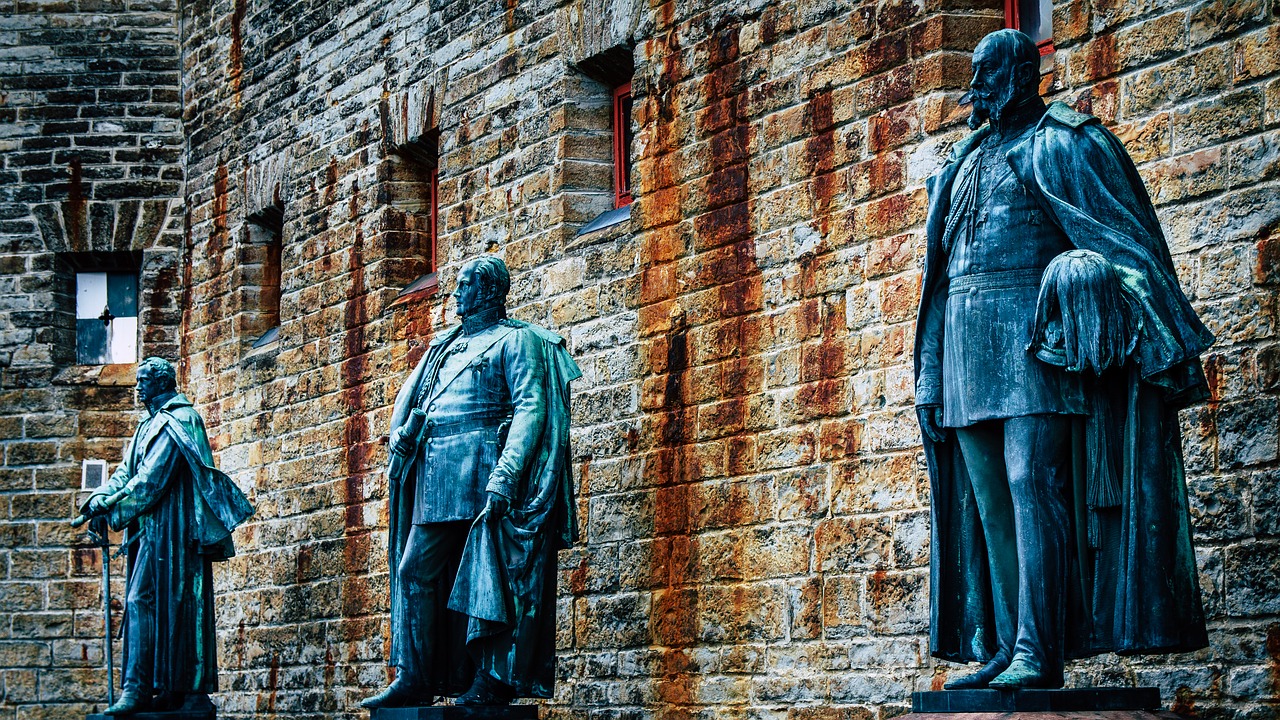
457,712
1055,701
1059,715
194,707
167,715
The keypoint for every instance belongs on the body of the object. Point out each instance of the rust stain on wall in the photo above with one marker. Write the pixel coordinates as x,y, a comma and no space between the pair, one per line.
820,156
73,210
719,254
218,230
235,56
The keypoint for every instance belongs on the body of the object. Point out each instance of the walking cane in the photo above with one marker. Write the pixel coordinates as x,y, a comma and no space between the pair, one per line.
104,541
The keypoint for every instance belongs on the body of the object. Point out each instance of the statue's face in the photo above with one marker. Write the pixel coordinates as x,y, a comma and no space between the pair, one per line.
150,386
468,294
994,83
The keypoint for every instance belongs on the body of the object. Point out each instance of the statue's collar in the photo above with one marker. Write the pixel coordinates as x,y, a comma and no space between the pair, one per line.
483,319
1013,122
158,403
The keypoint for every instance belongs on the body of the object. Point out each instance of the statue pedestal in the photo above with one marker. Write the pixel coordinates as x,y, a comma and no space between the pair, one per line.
209,714
457,712
1123,702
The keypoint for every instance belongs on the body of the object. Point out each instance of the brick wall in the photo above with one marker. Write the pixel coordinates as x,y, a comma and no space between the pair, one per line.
91,148
753,501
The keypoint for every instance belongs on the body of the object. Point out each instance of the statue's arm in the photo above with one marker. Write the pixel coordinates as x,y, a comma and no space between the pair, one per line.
932,329
149,482
95,503
929,337
526,373
121,476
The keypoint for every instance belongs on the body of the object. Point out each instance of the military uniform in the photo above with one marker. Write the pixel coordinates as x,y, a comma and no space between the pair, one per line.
1009,409
180,511
485,388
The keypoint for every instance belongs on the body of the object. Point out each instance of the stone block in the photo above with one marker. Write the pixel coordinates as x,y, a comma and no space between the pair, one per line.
1210,121
1248,433
1253,579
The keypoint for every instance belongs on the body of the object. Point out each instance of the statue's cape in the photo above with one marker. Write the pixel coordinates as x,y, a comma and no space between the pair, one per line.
505,583
1085,182
221,506
224,507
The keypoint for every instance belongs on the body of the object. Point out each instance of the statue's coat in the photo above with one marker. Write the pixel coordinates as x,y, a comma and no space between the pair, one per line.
1140,592
180,511
505,585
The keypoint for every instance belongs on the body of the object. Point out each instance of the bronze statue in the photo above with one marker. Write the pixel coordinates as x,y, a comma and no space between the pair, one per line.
1053,350
481,500
180,511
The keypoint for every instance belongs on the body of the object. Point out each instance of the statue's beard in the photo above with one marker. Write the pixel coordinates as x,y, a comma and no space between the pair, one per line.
989,105
481,305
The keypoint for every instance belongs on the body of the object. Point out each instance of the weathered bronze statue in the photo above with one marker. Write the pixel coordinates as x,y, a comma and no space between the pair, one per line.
481,500
1053,350
179,510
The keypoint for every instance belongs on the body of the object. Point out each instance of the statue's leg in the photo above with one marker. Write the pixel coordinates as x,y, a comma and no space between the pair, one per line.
140,624
982,446
1037,455
426,554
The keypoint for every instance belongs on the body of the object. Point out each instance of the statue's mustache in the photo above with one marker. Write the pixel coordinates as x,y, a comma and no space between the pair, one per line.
969,97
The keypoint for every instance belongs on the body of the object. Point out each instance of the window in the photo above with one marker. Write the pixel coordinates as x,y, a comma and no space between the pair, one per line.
415,196
622,138
597,159
106,317
260,274
1033,17
259,249
93,474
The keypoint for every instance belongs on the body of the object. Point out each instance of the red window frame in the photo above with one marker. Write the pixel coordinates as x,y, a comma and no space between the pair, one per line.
1012,20
435,219
622,194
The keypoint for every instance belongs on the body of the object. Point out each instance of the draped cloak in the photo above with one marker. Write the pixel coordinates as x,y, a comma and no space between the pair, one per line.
1133,587
180,511
504,587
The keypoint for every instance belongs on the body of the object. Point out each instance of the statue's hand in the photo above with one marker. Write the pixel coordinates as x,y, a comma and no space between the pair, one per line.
497,506
98,526
930,417
96,506
400,444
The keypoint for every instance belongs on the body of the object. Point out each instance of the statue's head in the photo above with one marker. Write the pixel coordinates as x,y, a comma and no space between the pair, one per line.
156,377
1006,71
482,284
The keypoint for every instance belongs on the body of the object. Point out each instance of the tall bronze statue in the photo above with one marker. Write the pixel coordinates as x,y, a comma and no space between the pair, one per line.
481,500
180,511
1053,350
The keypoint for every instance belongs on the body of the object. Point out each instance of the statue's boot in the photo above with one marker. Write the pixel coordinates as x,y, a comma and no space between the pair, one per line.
398,694
1021,673
130,702
486,690
981,679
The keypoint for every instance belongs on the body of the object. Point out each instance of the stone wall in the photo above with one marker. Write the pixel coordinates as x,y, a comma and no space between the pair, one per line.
754,508
90,168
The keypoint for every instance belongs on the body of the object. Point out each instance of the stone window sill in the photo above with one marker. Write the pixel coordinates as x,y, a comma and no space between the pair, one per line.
115,375
606,226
